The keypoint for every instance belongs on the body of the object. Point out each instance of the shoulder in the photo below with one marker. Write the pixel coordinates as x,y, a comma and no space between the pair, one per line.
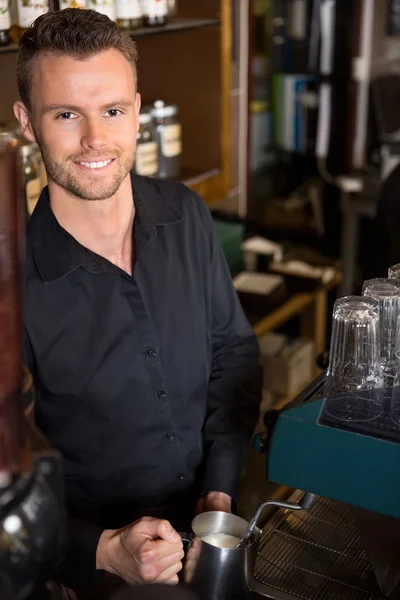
388,203
189,205
392,182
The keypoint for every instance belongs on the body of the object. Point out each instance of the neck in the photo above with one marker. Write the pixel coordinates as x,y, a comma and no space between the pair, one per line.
102,226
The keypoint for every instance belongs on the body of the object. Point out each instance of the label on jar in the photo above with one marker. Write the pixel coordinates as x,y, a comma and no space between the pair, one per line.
33,189
129,9
105,7
171,140
146,162
5,20
29,10
73,4
155,8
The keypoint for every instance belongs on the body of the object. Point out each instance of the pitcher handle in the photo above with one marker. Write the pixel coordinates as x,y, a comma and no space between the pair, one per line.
186,537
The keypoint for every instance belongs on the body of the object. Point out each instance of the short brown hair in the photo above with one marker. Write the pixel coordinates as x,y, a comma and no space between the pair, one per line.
72,32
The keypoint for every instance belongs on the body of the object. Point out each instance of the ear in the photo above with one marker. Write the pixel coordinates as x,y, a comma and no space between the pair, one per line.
138,104
22,114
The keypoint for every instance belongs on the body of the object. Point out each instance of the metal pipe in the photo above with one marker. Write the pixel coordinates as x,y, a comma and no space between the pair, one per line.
306,503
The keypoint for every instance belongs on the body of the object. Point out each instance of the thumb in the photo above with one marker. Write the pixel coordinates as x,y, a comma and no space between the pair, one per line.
159,528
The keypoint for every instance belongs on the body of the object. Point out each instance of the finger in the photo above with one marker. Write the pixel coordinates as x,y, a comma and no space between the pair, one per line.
152,557
153,569
158,528
173,580
169,574
200,505
156,549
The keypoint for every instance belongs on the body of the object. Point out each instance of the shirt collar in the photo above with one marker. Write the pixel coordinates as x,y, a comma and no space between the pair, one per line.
57,253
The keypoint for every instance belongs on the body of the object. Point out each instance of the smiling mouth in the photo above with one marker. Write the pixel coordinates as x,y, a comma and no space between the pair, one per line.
99,164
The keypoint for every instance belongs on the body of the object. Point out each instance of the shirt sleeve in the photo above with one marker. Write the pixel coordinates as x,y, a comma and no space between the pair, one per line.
388,217
78,566
234,390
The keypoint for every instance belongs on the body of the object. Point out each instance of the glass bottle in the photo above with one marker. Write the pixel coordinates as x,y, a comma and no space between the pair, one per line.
129,14
32,182
28,11
155,12
146,160
172,8
5,23
82,4
169,138
105,7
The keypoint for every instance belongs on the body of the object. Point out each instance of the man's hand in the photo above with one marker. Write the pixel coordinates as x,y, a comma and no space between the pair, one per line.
147,551
214,501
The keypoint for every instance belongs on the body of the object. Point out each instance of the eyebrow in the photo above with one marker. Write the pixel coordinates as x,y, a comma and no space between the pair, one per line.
73,108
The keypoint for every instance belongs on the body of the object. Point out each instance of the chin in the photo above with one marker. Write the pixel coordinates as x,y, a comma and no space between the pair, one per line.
94,192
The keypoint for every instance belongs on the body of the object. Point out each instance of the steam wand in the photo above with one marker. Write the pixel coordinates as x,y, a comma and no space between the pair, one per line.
306,503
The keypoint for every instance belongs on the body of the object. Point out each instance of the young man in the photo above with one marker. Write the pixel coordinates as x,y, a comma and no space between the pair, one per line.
146,370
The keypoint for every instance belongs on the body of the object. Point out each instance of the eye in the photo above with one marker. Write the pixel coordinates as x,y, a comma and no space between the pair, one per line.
113,112
66,116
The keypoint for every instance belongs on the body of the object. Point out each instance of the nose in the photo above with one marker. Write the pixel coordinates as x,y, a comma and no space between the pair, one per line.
94,135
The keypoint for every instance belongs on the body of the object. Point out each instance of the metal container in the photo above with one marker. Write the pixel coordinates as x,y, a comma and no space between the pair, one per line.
216,573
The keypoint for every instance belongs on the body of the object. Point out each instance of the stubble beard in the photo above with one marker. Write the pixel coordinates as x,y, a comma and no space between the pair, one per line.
86,186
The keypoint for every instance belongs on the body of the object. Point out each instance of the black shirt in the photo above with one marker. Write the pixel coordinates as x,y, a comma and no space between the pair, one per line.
148,385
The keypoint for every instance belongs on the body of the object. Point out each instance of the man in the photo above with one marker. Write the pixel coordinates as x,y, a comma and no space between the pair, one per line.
146,370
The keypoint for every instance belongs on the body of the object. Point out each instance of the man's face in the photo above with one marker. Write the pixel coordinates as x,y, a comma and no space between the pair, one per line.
84,115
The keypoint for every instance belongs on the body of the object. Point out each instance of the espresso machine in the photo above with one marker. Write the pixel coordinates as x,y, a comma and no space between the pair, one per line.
348,545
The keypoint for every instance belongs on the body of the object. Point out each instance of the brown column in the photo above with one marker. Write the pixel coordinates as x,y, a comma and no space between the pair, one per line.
11,415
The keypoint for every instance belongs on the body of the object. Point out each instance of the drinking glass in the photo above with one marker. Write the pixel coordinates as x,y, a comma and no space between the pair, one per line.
394,272
387,293
353,383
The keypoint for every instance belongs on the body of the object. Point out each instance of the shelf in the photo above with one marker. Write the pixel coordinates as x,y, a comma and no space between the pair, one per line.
209,183
9,49
174,26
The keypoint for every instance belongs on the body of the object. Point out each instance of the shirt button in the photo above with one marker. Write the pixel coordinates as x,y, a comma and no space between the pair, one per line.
180,476
161,394
152,353
171,436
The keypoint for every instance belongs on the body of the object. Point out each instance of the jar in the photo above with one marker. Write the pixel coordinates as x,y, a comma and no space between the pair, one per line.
105,7
172,8
129,14
155,12
146,161
169,138
5,23
8,134
28,11
30,156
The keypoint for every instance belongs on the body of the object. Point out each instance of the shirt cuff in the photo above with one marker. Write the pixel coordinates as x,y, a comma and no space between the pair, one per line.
221,474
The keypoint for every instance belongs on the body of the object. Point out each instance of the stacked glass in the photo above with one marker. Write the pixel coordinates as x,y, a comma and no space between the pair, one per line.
353,383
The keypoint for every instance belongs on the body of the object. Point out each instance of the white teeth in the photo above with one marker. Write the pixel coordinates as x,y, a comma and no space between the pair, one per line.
95,165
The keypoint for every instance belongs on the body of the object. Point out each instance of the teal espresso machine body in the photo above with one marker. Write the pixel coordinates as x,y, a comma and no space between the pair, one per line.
356,463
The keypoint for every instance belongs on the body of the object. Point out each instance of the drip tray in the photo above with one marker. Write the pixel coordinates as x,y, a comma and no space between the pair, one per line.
316,555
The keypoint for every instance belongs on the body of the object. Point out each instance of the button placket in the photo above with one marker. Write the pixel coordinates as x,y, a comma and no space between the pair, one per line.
158,376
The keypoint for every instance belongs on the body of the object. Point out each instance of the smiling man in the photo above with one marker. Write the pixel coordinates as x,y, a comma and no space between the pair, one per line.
146,370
